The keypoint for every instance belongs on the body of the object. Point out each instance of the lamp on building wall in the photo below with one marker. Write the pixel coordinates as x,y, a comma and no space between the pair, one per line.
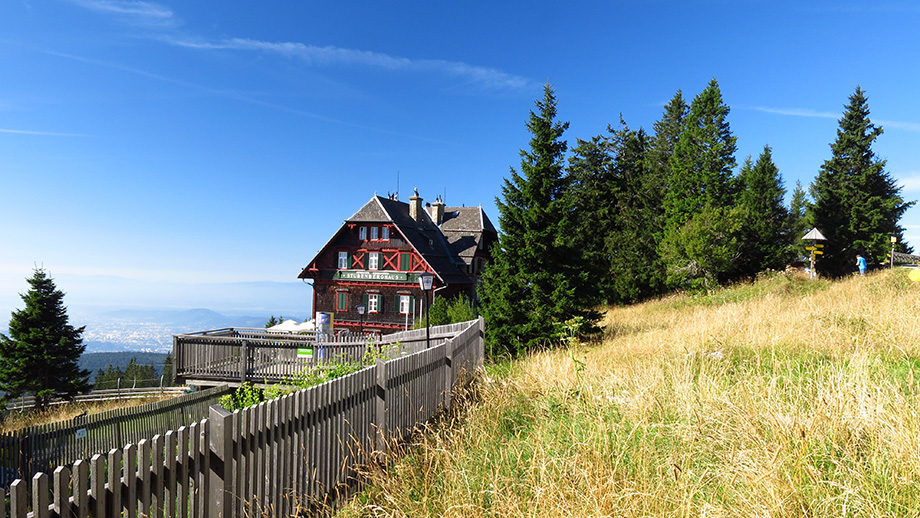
425,282
361,318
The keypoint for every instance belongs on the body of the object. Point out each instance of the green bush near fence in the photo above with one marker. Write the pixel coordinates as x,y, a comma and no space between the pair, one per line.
247,394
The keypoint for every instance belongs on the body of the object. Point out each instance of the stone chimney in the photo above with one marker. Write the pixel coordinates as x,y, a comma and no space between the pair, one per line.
436,211
415,207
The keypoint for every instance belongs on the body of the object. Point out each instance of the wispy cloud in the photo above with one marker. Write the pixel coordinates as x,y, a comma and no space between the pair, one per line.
41,133
909,181
138,12
231,94
155,15
330,56
907,126
804,112
797,112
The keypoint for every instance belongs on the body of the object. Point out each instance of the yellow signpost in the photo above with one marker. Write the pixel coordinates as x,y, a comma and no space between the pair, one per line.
894,240
814,235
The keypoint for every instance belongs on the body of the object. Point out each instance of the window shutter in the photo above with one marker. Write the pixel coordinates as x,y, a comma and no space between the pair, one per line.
412,304
404,262
365,302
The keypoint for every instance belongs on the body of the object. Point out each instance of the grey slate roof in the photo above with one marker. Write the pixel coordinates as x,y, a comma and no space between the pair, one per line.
424,236
463,227
446,249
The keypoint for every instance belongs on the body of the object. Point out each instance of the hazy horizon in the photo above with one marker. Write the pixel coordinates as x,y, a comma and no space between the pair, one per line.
85,296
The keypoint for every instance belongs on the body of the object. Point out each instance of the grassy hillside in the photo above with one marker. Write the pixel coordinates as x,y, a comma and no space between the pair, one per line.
784,398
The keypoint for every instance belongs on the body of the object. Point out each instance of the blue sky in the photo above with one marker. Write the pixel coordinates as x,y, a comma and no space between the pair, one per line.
189,145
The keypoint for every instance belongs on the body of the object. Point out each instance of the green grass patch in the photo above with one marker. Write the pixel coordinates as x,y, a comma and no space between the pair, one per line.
786,284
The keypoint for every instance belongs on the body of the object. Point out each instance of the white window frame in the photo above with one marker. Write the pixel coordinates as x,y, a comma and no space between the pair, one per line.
405,304
373,261
343,260
385,234
362,233
374,233
373,302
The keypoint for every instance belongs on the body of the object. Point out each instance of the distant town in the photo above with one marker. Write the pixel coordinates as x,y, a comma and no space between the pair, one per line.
152,330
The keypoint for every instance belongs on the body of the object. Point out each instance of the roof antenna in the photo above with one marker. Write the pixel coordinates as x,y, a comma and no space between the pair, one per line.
396,194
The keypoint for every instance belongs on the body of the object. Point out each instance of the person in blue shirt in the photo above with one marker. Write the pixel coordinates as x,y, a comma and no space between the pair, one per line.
861,264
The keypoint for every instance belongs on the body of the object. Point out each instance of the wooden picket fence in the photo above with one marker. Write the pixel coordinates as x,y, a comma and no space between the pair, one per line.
40,448
279,458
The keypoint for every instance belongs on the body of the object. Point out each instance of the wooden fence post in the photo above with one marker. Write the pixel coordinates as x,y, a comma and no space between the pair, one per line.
244,360
24,448
480,360
177,354
380,414
18,498
220,504
449,368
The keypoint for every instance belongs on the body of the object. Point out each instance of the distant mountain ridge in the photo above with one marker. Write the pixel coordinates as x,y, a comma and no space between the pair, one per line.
89,296
151,330
185,320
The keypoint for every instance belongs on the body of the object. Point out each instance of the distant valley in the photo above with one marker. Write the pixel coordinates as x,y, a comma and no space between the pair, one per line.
122,314
152,330
115,337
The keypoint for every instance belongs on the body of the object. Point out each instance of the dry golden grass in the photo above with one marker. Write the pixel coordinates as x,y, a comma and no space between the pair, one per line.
788,397
14,420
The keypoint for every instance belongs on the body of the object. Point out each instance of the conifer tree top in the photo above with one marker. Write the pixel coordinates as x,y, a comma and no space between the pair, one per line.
857,205
41,353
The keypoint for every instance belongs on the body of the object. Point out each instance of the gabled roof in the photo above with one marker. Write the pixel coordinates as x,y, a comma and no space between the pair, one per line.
465,219
424,236
372,212
464,228
814,235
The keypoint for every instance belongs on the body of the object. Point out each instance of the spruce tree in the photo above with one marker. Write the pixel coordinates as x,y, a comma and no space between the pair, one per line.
702,161
667,133
767,238
636,270
40,357
168,378
798,223
857,205
700,187
535,278
592,189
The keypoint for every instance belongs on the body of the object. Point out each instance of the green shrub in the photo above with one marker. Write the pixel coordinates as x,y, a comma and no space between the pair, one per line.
246,395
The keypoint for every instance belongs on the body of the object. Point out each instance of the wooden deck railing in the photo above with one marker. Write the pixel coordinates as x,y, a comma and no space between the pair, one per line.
236,355
274,459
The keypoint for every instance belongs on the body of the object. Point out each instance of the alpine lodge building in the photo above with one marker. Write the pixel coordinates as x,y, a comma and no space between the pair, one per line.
375,259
